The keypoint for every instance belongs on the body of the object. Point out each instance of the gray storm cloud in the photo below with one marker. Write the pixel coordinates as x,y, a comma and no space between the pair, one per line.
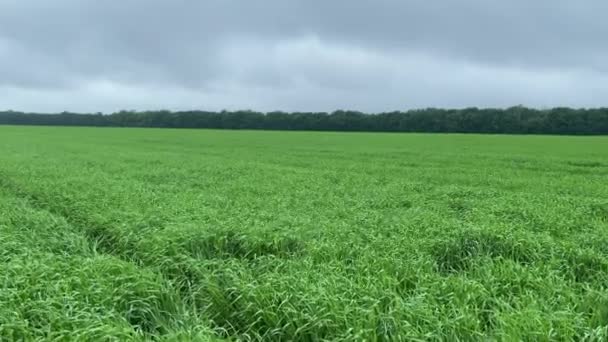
83,55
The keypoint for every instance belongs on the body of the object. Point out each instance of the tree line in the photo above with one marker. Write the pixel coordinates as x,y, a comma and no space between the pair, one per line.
513,120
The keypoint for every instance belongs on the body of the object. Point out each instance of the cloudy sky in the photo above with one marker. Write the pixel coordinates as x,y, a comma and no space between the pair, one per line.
368,55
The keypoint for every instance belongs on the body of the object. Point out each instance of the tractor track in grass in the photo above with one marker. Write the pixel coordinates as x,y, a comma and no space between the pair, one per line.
182,270
90,283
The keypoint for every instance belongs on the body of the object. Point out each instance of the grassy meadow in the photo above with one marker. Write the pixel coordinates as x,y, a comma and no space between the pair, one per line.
175,235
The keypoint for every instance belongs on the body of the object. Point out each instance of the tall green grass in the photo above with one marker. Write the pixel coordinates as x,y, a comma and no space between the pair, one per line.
139,234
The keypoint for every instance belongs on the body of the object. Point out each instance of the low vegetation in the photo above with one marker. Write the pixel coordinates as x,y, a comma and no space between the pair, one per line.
138,234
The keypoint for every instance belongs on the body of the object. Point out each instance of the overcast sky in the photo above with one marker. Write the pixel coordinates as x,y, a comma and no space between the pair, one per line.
368,55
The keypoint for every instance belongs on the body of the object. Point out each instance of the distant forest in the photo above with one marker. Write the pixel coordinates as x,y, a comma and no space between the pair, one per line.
513,120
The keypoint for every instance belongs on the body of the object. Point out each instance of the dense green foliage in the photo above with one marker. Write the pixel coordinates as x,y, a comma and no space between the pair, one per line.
122,234
470,120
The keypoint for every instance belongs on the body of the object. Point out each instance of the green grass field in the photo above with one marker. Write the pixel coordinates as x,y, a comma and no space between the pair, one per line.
136,234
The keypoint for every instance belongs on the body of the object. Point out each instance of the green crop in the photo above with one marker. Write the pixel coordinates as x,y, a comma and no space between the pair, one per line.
139,234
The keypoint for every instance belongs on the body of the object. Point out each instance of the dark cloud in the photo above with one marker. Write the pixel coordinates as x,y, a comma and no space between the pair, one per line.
85,55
